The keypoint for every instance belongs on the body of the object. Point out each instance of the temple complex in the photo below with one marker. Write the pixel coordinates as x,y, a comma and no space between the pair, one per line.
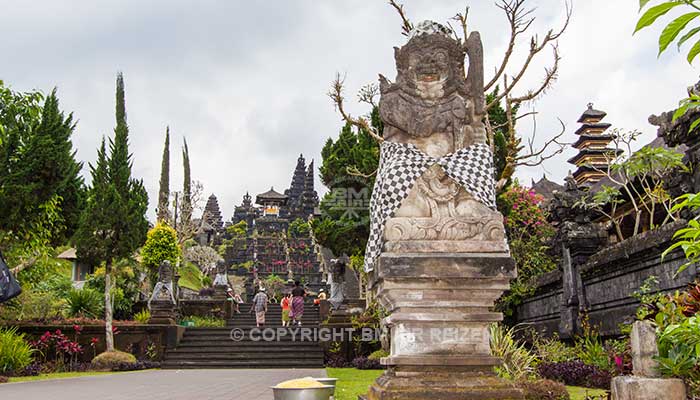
268,246
594,155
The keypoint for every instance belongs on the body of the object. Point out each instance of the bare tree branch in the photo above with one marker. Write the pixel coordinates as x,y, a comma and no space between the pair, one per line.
367,94
462,19
407,25
336,94
549,149
514,13
519,20
354,171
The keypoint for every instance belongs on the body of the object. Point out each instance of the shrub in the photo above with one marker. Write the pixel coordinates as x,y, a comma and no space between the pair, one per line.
553,350
678,350
378,354
137,366
15,352
543,389
126,286
85,303
161,244
206,322
366,363
33,369
518,361
299,228
111,359
575,373
32,305
142,316
3,379
58,347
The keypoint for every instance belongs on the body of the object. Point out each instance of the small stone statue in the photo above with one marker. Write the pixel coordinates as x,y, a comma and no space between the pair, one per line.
337,282
164,284
221,278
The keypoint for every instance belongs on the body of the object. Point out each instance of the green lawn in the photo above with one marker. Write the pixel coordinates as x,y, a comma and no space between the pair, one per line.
353,382
62,375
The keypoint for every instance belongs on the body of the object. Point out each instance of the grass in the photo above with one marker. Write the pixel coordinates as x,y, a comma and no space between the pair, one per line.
58,375
353,382
579,393
190,277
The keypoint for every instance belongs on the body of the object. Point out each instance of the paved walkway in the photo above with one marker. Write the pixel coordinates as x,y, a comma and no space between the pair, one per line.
223,384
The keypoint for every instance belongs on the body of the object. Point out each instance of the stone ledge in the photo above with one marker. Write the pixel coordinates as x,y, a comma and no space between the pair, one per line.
441,360
639,388
444,317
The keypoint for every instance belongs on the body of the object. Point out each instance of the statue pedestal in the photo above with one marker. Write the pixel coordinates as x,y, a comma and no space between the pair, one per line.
163,312
440,308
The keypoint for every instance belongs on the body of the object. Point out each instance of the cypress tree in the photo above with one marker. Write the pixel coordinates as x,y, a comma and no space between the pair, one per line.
186,208
113,224
164,191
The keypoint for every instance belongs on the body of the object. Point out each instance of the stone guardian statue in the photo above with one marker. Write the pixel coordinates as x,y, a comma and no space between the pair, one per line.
437,254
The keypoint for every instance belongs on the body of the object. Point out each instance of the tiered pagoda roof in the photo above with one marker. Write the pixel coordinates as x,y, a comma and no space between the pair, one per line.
271,197
594,155
212,213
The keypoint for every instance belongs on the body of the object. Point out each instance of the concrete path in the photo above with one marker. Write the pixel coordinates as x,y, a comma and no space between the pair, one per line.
222,384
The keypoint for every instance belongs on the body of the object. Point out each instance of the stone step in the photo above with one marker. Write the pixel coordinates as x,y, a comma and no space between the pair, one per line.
246,356
245,347
271,364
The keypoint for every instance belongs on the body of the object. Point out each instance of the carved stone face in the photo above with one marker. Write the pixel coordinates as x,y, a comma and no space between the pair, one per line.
429,66
430,72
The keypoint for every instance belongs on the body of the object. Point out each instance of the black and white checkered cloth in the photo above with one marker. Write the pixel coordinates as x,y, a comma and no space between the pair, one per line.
400,165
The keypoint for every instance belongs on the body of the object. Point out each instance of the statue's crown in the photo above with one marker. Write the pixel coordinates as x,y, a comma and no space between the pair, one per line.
429,27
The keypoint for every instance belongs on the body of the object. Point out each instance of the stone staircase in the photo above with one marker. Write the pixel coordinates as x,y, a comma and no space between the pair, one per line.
202,348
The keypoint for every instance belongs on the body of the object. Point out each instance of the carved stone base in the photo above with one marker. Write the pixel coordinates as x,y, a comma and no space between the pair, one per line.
162,313
440,307
443,385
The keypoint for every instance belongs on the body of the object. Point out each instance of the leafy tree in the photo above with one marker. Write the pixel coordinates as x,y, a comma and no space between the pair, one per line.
113,224
638,179
274,285
161,244
238,230
672,33
348,168
37,162
502,140
164,190
299,228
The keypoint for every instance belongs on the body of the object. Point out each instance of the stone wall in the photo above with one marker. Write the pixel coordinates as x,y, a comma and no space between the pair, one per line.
605,284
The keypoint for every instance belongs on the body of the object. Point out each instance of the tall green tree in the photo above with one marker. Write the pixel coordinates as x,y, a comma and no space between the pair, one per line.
37,162
348,170
113,224
186,216
164,190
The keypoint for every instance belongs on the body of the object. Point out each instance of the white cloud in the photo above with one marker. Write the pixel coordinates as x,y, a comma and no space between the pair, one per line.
246,82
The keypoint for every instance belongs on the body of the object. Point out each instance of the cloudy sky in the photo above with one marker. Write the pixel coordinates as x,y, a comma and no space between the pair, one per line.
246,81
